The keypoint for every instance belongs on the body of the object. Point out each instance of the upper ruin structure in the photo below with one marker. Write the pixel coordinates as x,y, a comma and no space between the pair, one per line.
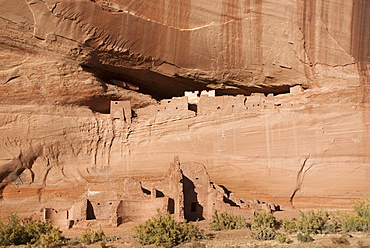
121,110
197,104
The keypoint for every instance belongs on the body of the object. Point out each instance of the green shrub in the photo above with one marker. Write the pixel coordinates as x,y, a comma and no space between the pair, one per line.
12,233
340,241
290,226
189,232
263,233
92,236
31,232
36,229
225,220
264,219
162,230
358,221
362,208
263,225
315,222
304,238
282,238
50,239
349,222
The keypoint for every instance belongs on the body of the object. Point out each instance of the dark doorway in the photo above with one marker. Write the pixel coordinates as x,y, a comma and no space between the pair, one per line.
192,209
90,215
171,206
193,107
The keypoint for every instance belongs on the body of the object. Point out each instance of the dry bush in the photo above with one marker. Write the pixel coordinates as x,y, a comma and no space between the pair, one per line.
282,238
37,233
162,230
263,225
92,236
224,221
315,222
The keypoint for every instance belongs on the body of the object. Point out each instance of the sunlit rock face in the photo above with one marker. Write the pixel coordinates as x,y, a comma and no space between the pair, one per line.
62,62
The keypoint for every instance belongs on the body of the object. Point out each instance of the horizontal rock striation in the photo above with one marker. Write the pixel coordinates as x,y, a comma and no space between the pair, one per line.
63,61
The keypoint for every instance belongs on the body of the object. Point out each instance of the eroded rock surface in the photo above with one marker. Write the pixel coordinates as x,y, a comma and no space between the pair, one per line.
63,61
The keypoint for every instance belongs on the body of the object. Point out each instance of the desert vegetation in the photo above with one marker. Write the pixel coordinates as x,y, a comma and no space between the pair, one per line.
33,233
37,233
225,220
90,236
266,227
163,230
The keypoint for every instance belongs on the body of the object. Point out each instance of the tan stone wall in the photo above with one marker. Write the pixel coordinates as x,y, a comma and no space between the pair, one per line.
121,110
59,218
104,209
221,105
168,109
257,101
139,210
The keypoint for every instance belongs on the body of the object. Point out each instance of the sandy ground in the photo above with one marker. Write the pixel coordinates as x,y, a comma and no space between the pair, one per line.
222,239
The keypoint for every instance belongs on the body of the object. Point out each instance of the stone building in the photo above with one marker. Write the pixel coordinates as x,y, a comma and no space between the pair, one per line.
167,109
59,218
121,110
185,192
221,105
260,101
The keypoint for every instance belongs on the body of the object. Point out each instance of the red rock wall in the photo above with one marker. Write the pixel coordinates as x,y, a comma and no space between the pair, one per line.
57,56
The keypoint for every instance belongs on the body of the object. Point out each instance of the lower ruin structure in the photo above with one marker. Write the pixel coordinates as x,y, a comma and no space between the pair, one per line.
186,192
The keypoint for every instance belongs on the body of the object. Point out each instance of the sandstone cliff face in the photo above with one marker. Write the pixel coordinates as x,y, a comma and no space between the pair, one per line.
63,61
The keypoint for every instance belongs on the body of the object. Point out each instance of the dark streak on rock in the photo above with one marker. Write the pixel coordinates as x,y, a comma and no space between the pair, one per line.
300,177
10,79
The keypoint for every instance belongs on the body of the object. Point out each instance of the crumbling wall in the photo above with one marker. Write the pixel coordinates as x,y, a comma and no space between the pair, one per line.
207,104
147,115
104,209
195,197
209,93
257,101
175,108
221,105
185,192
196,191
121,110
140,203
296,89
140,210
223,200
59,218
192,96
167,109
202,197
175,189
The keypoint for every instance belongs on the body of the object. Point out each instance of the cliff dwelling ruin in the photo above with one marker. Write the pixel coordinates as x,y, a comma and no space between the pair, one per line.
269,100
186,192
121,110
194,104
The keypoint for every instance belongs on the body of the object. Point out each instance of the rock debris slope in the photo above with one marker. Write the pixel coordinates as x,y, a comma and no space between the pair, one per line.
63,61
